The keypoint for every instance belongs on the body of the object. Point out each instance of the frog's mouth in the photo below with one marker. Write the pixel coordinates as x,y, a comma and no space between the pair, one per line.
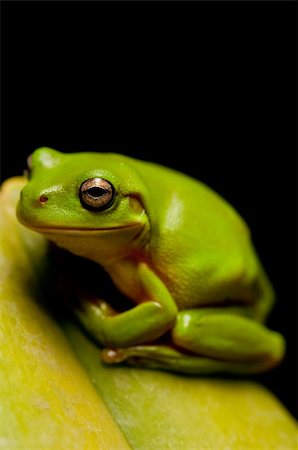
82,230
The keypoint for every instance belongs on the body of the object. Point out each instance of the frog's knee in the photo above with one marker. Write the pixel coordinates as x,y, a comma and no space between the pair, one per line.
278,349
182,333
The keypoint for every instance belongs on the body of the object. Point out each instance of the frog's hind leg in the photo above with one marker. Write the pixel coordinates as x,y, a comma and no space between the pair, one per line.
210,340
228,336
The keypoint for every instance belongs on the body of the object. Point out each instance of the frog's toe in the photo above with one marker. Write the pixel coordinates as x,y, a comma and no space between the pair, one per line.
114,356
92,315
93,309
150,356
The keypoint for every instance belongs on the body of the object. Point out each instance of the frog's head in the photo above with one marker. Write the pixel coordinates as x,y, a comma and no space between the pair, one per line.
88,203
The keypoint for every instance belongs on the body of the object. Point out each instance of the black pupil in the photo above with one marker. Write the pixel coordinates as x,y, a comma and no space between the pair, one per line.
96,191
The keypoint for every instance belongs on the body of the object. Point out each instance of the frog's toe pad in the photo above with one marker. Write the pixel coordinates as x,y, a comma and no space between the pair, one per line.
113,356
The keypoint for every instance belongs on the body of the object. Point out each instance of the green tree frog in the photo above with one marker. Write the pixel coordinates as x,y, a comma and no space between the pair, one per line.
169,243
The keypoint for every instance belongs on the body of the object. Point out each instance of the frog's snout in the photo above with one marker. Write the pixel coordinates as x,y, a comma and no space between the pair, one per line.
43,199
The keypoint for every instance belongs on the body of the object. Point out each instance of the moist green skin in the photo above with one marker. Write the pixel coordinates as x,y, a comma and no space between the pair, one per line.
177,249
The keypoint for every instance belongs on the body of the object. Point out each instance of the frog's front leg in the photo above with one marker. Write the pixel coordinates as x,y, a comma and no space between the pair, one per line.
143,323
216,340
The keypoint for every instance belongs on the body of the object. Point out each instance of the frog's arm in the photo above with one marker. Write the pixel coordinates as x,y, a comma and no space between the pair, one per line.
143,323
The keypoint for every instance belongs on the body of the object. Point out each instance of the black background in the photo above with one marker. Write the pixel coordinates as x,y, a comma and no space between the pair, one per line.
206,88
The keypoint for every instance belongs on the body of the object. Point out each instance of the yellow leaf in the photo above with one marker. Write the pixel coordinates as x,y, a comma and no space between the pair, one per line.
47,400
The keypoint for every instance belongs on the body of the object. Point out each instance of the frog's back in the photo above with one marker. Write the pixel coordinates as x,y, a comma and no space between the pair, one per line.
199,243
177,200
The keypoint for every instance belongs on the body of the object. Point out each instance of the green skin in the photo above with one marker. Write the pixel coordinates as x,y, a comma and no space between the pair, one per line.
178,250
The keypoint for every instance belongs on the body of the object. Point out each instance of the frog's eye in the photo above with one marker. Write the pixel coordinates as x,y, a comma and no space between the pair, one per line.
97,194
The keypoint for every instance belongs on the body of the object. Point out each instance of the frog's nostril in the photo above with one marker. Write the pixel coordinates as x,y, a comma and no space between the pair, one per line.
43,199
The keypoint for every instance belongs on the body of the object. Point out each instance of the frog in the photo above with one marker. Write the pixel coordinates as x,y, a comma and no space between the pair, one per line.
178,250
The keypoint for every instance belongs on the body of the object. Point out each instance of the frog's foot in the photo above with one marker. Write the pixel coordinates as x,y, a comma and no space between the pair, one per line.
91,313
158,356
169,359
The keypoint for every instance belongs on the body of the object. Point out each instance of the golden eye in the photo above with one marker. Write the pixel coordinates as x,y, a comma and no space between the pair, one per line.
97,194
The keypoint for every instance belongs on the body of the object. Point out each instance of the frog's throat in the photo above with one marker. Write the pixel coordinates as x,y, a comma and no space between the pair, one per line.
105,245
